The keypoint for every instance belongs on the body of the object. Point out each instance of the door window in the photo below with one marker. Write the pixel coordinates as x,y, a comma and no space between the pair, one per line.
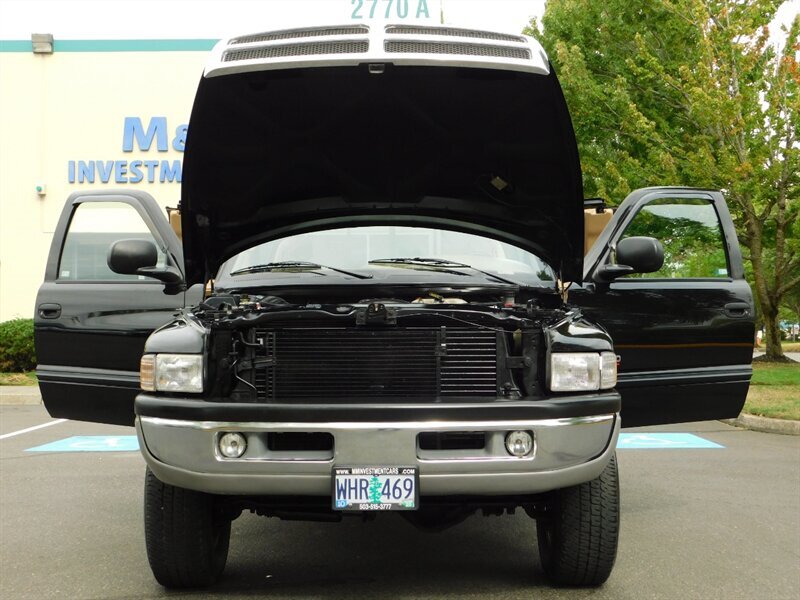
689,229
93,228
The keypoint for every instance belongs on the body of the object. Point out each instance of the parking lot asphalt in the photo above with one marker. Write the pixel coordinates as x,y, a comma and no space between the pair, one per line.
696,523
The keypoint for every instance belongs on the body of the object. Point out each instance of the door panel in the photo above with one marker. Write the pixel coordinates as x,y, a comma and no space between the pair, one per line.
91,324
684,334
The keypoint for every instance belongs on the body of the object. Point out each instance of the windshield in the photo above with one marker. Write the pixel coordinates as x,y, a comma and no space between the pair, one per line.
353,248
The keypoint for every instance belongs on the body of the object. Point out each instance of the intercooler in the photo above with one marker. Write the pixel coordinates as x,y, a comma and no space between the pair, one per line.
365,363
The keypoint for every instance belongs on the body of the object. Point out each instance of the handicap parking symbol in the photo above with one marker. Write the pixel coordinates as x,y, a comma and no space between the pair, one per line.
91,443
667,441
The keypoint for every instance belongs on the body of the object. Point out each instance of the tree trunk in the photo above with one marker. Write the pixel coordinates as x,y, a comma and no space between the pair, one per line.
773,337
769,304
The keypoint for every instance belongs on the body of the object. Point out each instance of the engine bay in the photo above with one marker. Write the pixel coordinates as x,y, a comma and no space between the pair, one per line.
432,346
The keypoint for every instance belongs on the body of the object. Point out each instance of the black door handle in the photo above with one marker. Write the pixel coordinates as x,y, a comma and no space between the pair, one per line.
737,309
49,311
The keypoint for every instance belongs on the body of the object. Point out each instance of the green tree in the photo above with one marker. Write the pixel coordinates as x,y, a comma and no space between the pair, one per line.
690,92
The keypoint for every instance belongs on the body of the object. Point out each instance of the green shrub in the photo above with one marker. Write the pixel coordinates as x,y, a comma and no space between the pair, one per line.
16,346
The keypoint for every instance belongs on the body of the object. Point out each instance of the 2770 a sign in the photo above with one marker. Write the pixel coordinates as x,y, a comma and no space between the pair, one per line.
390,9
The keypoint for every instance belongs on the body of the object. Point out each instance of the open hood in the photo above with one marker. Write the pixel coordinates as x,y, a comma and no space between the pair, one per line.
474,143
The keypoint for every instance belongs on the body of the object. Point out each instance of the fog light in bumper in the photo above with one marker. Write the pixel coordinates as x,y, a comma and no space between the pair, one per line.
519,443
232,445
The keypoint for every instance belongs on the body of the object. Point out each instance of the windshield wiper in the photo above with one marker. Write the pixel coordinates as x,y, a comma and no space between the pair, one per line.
424,264
417,261
440,265
295,264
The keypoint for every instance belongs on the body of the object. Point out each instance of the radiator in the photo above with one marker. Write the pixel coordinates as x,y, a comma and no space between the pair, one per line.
363,363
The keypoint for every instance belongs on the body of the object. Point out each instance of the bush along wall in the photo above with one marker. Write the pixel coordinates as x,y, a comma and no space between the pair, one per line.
17,352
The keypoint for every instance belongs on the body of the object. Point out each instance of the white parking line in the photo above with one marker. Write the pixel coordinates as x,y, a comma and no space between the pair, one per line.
34,428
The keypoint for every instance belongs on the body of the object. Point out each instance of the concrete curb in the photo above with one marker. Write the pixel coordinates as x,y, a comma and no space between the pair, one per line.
16,395
764,424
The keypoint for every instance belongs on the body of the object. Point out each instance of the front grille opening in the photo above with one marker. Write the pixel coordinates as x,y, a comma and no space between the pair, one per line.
457,48
316,441
305,49
289,34
371,364
453,32
452,440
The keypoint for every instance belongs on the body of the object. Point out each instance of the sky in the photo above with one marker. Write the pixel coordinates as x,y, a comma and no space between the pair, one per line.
170,19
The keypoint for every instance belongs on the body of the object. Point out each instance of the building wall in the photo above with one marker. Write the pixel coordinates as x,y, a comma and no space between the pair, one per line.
72,106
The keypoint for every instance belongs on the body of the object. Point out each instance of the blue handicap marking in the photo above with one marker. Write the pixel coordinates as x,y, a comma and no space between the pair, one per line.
668,441
91,443
129,443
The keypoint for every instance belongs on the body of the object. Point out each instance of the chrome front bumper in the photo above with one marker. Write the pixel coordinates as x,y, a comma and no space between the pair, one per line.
568,451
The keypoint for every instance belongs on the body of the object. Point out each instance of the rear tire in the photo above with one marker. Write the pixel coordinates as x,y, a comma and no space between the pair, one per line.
186,538
578,537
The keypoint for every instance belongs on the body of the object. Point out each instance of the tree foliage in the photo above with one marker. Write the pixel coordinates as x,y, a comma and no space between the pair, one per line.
17,352
690,92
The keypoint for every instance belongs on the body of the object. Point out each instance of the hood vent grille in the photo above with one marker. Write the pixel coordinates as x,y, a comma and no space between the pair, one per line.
307,49
455,48
353,45
289,34
453,32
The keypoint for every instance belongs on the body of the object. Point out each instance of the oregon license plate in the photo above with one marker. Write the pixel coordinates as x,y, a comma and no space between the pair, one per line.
375,488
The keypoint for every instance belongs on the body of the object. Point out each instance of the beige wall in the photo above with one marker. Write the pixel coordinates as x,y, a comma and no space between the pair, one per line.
71,106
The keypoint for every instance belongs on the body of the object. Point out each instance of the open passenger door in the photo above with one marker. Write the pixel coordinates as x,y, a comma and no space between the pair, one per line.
91,323
684,333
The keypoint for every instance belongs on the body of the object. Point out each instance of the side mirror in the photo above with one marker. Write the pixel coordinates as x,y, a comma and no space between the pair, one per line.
128,256
634,255
139,257
644,254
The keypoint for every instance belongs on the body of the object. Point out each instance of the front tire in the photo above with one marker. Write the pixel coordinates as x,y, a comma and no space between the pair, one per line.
186,538
578,537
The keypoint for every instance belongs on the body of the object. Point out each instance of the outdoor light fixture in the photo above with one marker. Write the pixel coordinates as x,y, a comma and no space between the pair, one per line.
42,43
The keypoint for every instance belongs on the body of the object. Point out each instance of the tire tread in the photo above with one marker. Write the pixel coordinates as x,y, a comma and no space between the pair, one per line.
187,546
578,542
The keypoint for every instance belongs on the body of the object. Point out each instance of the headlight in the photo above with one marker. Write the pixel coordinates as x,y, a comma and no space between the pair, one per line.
608,370
171,372
582,371
147,373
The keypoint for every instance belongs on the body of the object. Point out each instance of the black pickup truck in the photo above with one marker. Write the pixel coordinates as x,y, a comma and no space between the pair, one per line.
381,298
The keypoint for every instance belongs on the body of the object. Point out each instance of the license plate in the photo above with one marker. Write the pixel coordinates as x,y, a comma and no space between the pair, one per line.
375,488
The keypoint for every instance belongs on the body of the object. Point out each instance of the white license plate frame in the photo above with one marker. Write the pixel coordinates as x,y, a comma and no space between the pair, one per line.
353,489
